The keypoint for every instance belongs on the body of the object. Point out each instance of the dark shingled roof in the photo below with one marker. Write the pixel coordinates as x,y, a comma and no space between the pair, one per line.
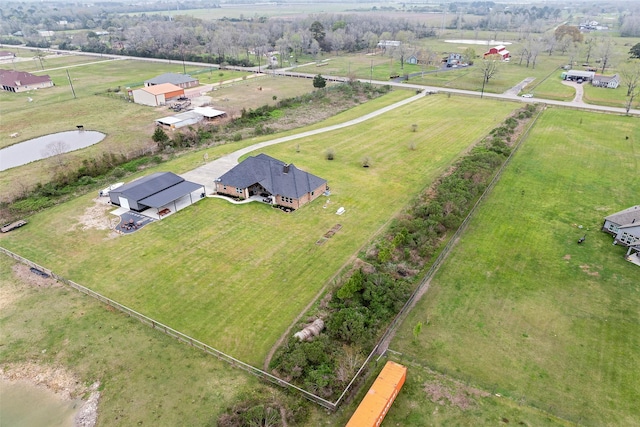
173,78
274,175
167,196
149,185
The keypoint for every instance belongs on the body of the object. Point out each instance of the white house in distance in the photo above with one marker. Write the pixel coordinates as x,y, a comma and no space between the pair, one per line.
157,95
624,226
610,82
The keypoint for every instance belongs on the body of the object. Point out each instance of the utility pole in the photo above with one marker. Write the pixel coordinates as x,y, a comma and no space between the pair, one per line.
371,72
71,84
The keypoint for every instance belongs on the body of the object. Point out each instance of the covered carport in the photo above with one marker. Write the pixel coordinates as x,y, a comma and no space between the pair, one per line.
172,199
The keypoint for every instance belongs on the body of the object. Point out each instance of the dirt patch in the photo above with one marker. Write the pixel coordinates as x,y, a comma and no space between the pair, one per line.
567,257
587,269
23,272
56,379
96,216
445,391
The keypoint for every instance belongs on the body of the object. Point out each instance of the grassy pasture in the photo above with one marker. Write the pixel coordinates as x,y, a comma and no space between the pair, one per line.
520,308
235,276
146,378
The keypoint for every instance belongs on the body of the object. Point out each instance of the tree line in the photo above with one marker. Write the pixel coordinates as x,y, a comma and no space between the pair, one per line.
360,307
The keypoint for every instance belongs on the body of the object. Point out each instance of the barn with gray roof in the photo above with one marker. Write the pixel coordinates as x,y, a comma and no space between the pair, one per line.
157,195
273,180
182,80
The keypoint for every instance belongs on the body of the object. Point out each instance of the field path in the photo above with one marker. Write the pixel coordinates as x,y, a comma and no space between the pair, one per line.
207,173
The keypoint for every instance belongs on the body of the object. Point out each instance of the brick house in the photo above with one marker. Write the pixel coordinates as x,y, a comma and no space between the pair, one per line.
271,180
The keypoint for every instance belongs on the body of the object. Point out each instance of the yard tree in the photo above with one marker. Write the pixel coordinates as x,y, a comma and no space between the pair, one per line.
589,44
569,30
635,51
488,67
630,76
469,55
319,82
607,51
159,136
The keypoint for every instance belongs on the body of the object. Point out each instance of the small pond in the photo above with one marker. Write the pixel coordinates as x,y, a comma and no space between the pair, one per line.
47,146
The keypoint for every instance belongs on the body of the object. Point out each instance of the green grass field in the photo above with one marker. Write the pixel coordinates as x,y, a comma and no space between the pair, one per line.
146,378
236,276
519,308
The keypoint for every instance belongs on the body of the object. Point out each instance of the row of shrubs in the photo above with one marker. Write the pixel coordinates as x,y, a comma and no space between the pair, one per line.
359,309
71,182
258,118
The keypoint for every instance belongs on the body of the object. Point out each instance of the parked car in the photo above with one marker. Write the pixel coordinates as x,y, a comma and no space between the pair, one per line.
527,95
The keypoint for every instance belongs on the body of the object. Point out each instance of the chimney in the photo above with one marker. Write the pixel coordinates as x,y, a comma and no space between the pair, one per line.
286,169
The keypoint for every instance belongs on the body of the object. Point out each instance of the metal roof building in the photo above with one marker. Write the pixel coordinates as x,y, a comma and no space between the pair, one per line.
157,193
182,80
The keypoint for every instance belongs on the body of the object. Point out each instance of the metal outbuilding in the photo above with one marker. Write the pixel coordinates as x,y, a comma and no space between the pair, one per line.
157,95
158,194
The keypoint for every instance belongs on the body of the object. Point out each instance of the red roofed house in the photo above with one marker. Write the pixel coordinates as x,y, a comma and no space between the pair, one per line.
498,50
21,81
157,95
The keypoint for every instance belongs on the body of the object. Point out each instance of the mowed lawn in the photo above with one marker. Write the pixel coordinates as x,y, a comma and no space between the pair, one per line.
235,276
519,308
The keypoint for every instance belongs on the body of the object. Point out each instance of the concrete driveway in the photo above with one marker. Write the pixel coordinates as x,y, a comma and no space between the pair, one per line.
207,173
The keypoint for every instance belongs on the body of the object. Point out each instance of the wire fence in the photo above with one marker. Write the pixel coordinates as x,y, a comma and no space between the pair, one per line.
176,334
379,349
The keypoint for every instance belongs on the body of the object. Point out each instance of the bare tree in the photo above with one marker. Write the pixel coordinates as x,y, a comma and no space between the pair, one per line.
589,44
630,76
488,67
630,98
606,52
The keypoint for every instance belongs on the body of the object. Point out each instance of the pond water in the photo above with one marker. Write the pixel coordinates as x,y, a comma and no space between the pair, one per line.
47,146
25,405
480,42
